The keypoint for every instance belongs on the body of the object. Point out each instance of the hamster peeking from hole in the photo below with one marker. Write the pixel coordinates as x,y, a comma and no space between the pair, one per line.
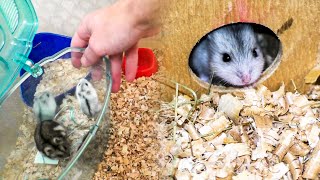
234,55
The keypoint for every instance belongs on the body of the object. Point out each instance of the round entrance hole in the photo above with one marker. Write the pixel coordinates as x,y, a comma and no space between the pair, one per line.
235,57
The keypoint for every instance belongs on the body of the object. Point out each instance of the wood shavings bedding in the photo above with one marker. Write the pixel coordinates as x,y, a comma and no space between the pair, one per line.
133,144
59,77
257,134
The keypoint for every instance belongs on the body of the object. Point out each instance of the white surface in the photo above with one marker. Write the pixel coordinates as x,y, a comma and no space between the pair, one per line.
64,16
42,159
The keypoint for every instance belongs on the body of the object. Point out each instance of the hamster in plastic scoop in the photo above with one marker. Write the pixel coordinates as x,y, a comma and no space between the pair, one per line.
50,136
87,98
231,55
44,106
51,139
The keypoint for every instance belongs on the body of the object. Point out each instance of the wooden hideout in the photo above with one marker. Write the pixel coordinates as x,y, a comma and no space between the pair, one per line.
295,21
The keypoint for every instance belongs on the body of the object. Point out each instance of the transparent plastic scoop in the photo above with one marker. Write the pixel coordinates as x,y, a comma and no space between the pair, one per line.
98,119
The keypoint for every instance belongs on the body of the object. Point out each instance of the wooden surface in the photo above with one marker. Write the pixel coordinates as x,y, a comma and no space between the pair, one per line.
187,21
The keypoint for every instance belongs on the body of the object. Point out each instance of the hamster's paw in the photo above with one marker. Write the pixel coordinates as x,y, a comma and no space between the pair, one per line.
44,106
87,98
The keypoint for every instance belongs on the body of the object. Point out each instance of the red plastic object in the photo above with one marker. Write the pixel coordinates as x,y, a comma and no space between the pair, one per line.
147,63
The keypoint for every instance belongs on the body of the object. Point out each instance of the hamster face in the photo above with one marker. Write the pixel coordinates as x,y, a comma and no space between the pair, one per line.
44,106
51,140
235,55
87,98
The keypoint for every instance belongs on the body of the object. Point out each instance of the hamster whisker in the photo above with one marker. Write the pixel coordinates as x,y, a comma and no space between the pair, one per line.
211,79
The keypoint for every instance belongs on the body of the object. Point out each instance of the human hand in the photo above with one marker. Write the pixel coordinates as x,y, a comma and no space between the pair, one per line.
112,31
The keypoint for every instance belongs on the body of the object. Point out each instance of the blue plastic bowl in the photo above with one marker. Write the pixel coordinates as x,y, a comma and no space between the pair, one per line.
44,45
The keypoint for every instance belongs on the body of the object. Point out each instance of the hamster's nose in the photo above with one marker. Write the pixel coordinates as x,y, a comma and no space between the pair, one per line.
246,78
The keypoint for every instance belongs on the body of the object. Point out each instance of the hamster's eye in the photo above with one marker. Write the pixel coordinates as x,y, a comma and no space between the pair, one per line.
86,84
226,57
254,52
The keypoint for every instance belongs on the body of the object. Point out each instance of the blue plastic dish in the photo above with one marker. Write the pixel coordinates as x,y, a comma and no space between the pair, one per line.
44,45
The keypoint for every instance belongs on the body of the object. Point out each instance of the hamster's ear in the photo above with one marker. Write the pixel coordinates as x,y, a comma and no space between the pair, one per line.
57,140
48,150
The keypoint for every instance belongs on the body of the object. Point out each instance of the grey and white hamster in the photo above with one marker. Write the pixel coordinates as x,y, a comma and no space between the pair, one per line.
87,98
51,139
231,55
44,106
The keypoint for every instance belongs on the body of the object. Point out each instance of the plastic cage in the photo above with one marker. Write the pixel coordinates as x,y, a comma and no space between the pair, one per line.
18,25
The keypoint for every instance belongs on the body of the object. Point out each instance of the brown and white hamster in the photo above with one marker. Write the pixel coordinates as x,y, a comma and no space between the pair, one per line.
87,98
231,55
51,139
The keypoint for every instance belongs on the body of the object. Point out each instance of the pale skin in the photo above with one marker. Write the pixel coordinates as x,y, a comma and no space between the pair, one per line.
113,30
